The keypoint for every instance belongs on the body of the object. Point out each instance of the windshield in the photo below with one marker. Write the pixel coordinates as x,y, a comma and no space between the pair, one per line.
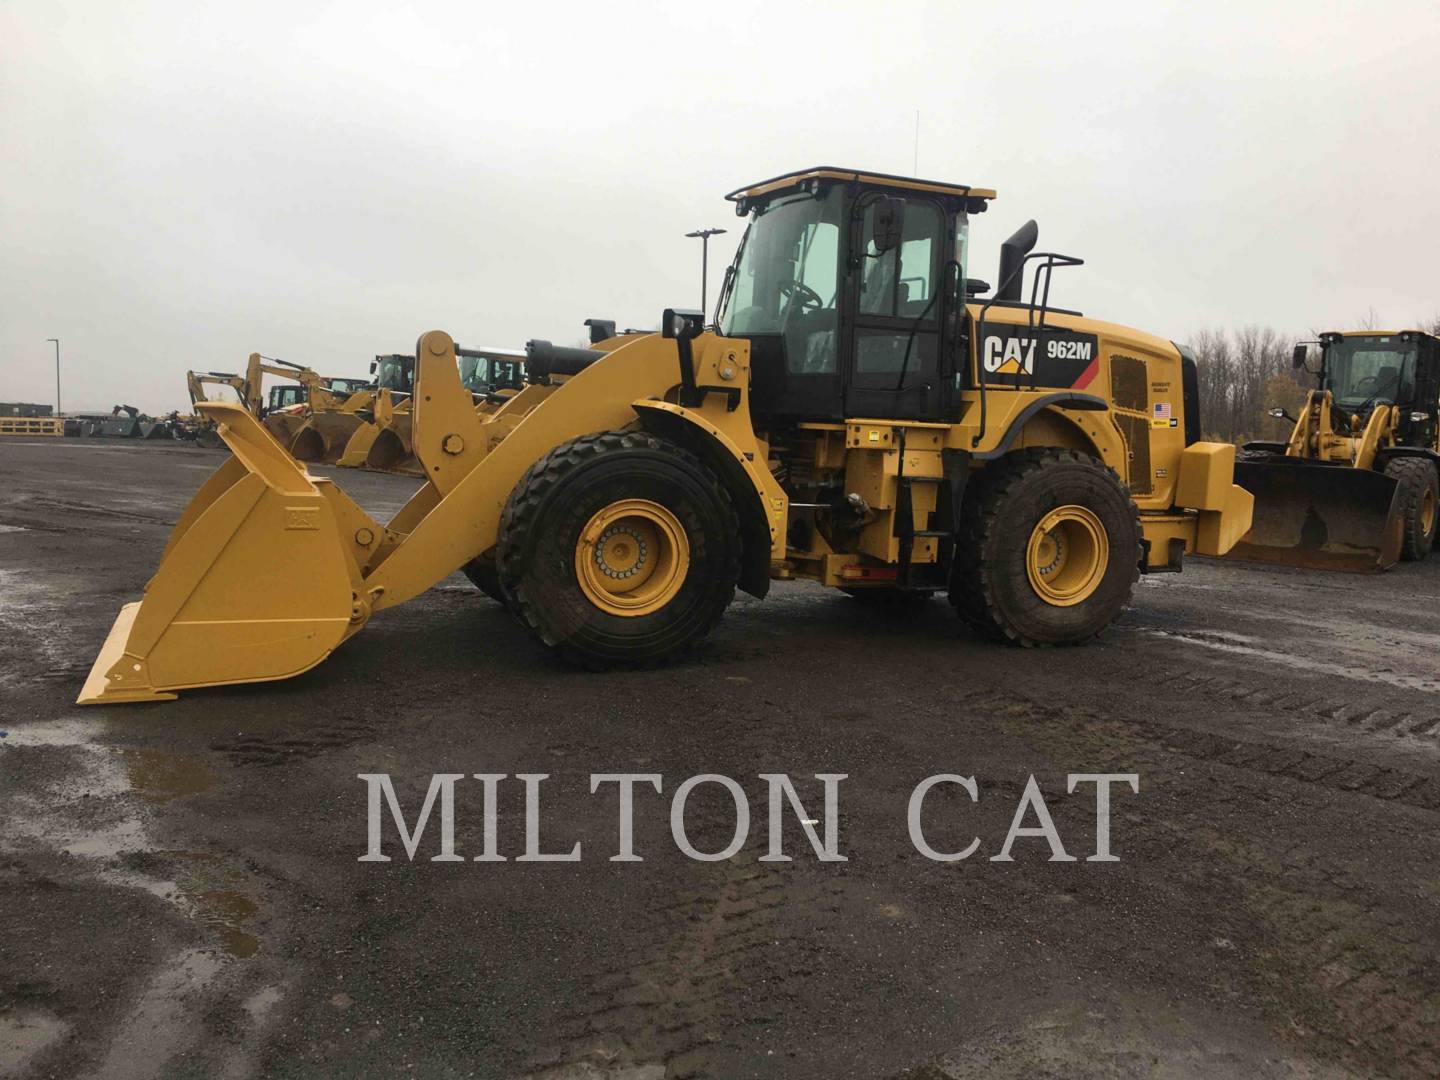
482,374
789,263
392,373
1364,370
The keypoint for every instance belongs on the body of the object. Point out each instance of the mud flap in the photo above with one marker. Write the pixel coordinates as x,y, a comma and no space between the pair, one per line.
259,580
1325,517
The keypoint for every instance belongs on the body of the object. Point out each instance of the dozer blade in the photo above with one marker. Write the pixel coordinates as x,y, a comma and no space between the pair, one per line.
324,436
1324,517
259,580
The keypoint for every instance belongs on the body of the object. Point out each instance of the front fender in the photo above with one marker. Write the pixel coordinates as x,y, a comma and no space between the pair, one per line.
740,463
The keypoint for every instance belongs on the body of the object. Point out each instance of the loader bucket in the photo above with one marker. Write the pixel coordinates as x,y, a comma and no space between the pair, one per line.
357,448
284,426
392,450
324,436
1325,517
204,619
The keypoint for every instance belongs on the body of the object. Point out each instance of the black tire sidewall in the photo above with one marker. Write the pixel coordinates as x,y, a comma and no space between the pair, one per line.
1414,476
541,578
1024,503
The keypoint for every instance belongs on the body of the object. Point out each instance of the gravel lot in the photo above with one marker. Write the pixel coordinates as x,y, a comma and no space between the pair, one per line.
182,893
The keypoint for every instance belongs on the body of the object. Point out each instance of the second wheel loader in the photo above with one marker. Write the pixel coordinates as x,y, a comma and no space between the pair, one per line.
490,375
283,413
1357,484
859,417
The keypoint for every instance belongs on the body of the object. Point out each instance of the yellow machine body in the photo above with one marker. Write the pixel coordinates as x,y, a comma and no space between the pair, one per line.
327,567
1352,488
270,569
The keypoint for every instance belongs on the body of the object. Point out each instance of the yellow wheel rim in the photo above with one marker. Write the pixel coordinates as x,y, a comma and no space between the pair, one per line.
1427,511
1067,555
632,558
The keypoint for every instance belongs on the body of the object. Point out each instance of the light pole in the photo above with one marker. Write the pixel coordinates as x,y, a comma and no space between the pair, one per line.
56,340
704,235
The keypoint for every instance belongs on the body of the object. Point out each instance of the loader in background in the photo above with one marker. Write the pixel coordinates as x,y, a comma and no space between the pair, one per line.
491,376
1357,485
284,413
392,378
850,420
333,410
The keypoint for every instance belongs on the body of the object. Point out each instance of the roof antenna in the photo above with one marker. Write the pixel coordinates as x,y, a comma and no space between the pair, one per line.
915,171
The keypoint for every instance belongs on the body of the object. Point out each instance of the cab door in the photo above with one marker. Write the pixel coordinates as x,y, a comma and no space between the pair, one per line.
893,341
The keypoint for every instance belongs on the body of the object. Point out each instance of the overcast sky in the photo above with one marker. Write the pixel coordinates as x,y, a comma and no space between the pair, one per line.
185,183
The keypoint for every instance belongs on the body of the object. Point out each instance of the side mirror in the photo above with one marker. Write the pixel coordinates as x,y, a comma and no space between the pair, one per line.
600,330
1297,358
889,224
681,324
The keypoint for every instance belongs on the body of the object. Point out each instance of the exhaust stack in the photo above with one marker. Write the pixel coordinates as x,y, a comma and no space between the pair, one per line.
1012,261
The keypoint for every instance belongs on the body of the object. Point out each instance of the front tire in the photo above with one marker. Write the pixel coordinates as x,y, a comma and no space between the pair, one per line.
485,576
618,549
1419,499
1049,549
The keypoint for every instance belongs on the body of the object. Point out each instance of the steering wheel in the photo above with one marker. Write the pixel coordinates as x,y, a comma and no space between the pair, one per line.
1360,383
798,293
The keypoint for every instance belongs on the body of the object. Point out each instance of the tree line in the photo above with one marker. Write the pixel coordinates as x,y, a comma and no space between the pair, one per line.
1244,372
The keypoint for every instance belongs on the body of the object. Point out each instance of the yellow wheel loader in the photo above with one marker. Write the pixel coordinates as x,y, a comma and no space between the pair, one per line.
1357,485
491,375
283,413
334,410
858,417
392,380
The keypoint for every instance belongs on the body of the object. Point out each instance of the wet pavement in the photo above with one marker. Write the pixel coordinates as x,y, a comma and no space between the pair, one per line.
183,894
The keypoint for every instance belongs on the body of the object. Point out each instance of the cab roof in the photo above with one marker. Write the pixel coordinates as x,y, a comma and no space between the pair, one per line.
1378,333
788,181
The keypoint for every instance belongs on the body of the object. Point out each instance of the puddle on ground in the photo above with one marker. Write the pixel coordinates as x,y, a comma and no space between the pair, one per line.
111,841
26,1035
87,814
158,776
13,528
223,910
158,1025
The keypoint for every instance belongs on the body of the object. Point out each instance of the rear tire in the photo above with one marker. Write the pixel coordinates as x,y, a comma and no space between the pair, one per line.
1419,500
1049,549
619,549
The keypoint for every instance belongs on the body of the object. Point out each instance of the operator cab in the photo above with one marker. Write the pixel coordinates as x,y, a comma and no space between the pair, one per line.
1363,369
394,372
486,371
1367,368
850,288
284,397
346,386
